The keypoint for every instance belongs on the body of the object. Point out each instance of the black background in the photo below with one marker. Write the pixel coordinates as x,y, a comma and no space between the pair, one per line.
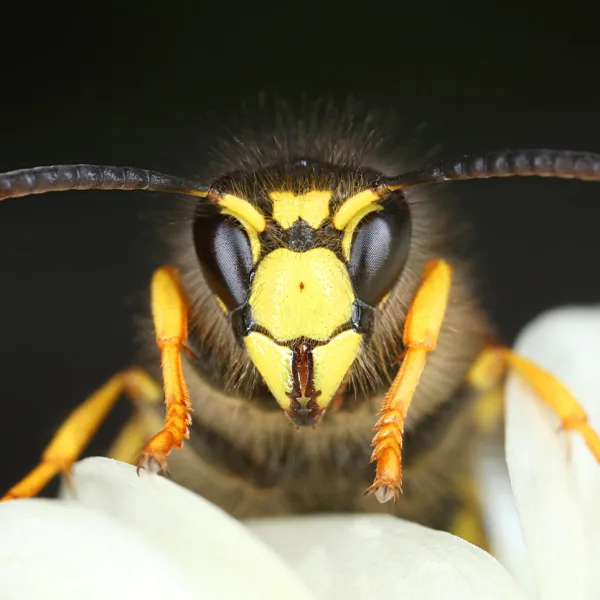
75,267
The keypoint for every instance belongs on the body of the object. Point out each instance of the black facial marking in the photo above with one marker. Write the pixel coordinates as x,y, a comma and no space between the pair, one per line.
300,236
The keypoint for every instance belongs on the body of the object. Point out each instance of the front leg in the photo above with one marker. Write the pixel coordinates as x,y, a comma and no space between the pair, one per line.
170,315
421,331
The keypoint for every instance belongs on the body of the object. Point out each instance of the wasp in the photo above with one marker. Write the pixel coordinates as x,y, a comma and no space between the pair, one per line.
315,321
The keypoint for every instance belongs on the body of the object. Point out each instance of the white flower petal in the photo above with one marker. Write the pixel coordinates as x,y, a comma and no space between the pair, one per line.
61,551
501,516
555,479
216,551
361,557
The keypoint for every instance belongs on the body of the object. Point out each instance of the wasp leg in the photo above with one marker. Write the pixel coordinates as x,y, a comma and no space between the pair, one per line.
491,367
485,376
468,522
170,314
557,397
421,330
76,432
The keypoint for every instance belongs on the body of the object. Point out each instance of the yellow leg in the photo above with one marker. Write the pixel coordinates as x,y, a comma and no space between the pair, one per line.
131,439
76,432
170,314
468,522
486,376
491,367
423,324
557,397
128,445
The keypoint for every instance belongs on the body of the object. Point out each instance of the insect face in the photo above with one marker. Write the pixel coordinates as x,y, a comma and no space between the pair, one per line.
300,257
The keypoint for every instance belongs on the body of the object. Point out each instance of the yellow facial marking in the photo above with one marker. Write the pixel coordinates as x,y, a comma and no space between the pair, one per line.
352,206
242,209
332,361
301,294
274,363
351,226
252,233
313,207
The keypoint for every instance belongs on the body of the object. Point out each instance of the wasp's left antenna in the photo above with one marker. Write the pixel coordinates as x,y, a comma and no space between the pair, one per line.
509,163
61,178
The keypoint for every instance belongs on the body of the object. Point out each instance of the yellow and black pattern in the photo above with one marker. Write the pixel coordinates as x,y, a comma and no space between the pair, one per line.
302,323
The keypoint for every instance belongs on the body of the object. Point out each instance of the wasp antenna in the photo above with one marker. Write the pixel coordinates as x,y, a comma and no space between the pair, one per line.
60,178
509,163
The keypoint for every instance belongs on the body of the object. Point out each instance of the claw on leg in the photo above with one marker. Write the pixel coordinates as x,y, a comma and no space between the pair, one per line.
388,481
151,465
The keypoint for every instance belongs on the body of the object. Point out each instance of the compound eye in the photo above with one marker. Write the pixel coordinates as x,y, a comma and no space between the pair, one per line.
225,256
379,251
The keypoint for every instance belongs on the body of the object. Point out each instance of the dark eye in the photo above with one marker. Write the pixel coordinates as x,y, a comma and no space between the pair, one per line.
225,256
379,251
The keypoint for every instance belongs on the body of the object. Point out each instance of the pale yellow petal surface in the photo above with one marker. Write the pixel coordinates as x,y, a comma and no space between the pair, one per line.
366,557
215,551
64,551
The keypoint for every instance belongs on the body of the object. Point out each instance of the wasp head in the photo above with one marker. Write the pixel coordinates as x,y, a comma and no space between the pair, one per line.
301,256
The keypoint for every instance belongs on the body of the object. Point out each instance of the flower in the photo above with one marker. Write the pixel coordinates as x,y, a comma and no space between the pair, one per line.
117,535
